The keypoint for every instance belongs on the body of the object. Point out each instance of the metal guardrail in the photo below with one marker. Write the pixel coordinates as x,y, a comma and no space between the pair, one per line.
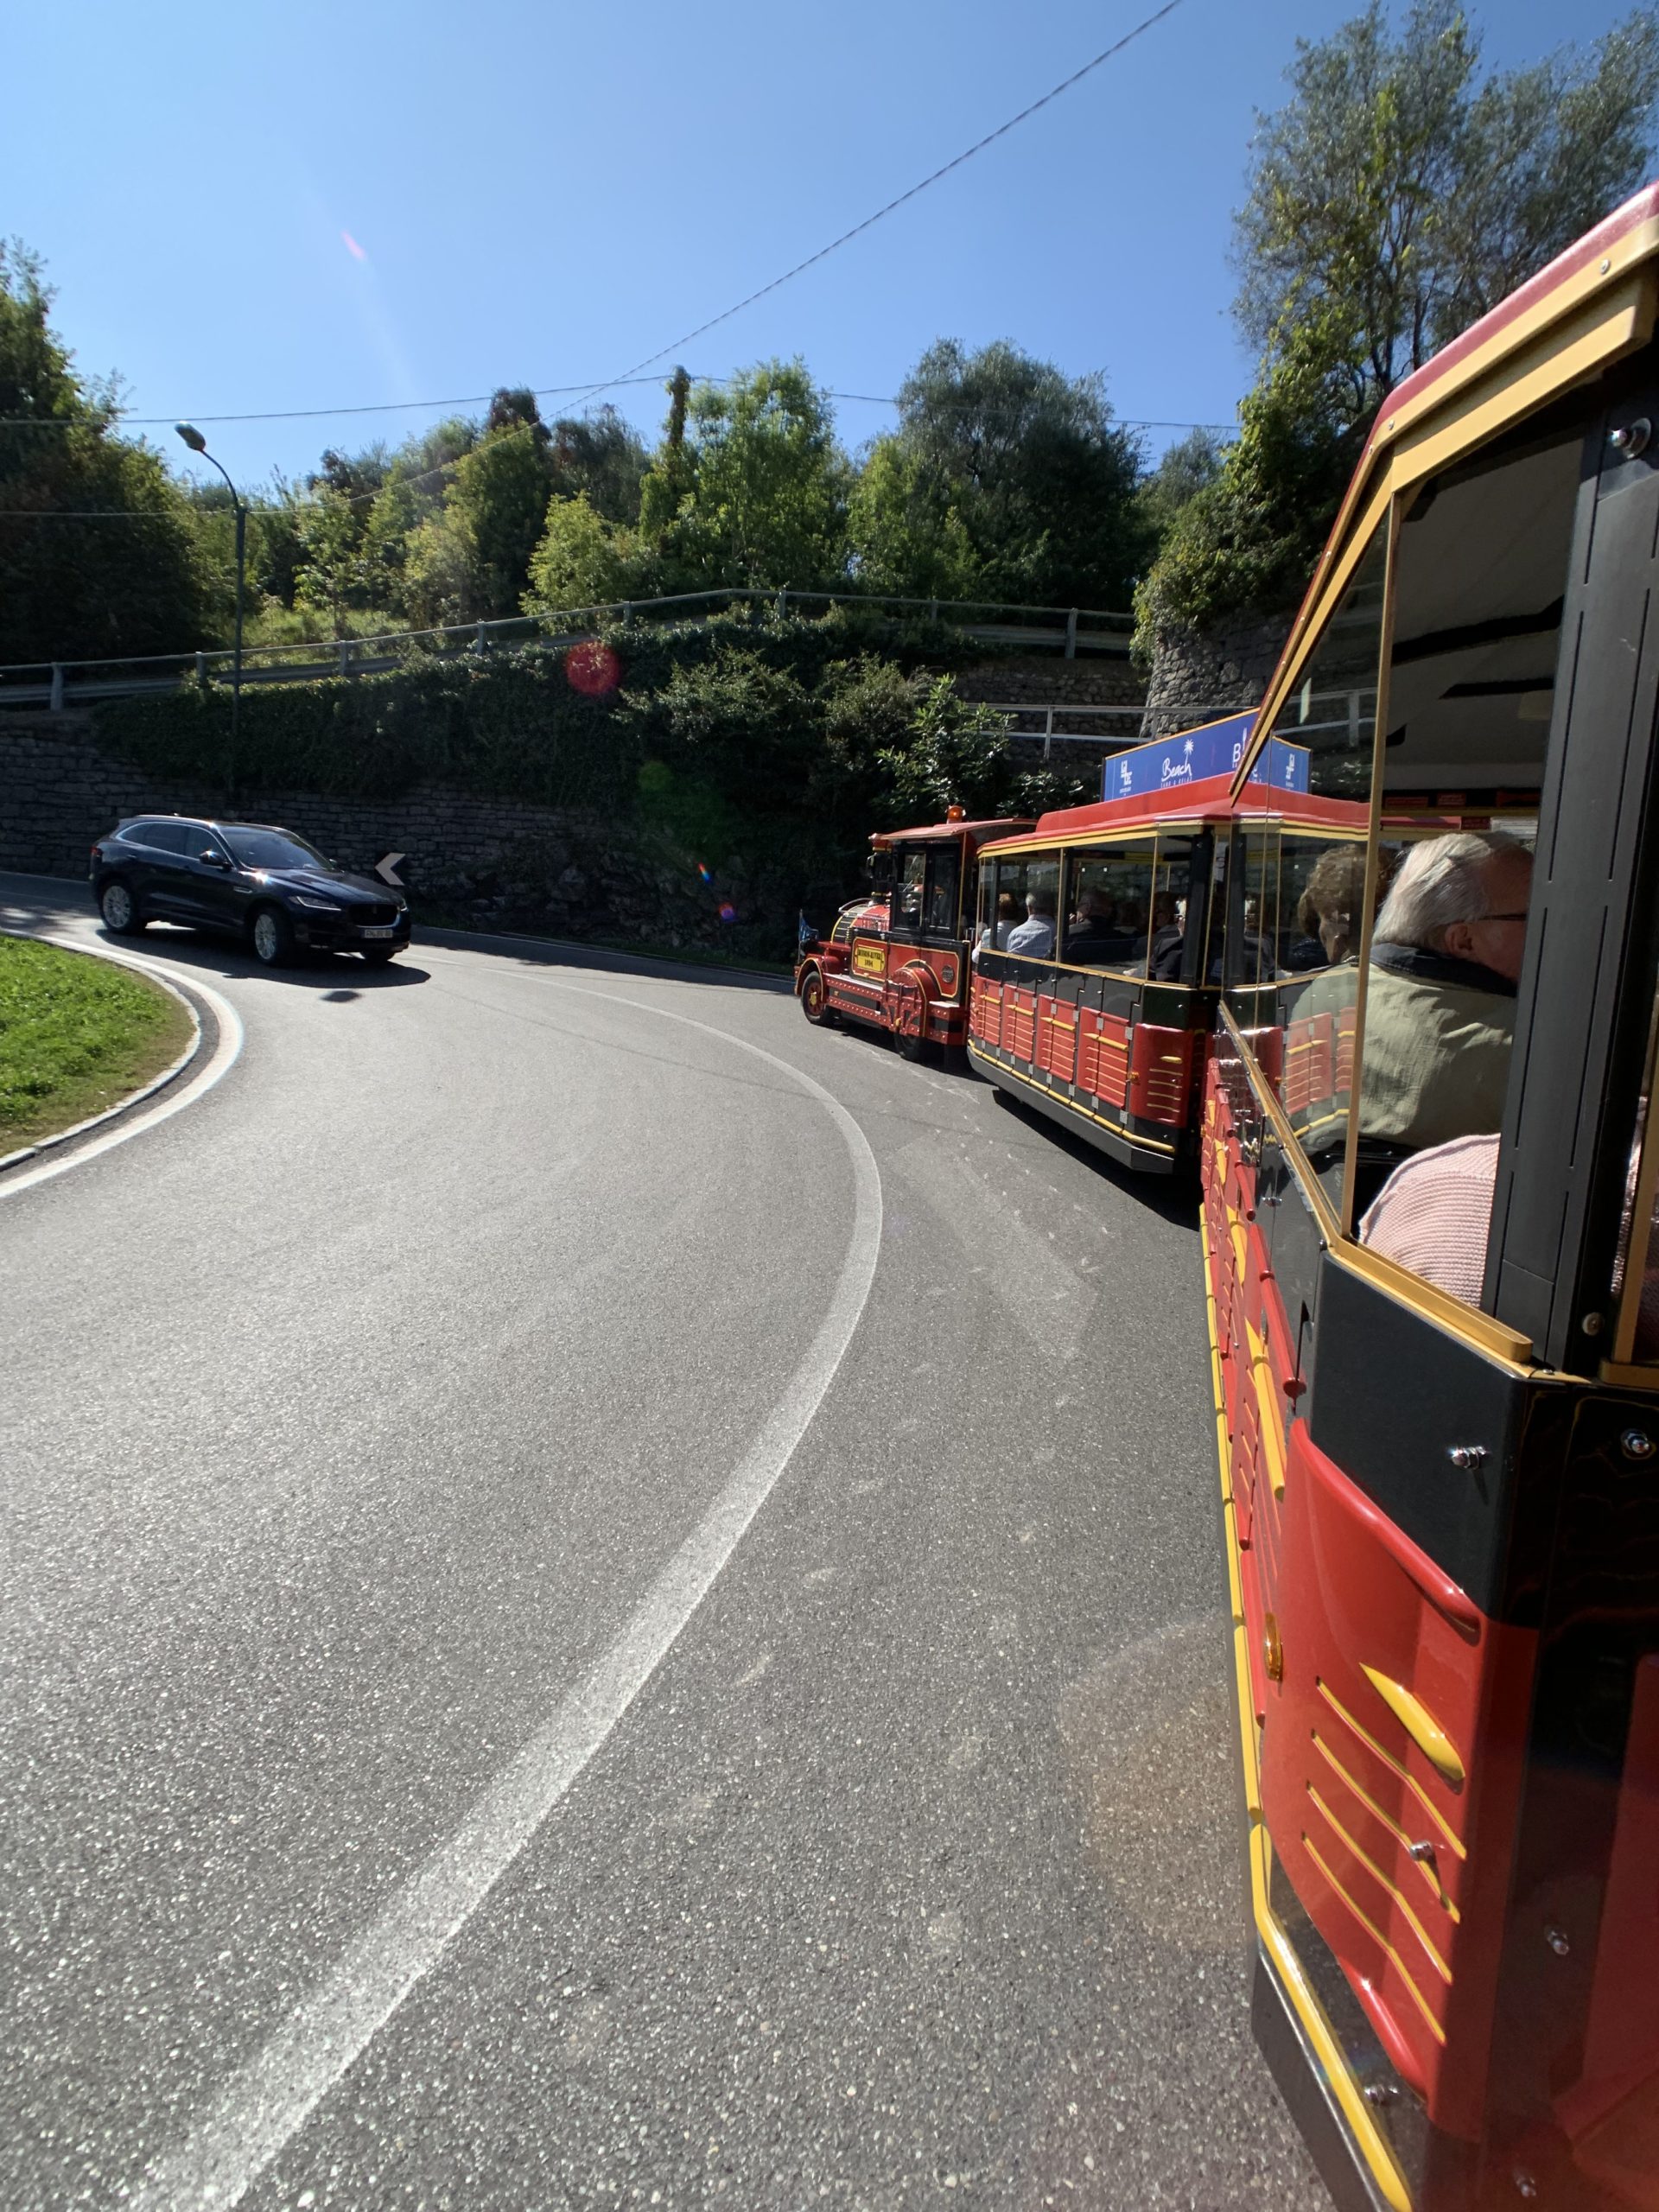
1129,716
57,684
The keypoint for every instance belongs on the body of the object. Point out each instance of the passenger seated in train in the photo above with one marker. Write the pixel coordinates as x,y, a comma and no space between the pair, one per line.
1434,1216
1433,1213
1168,940
1327,913
1034,936
1096,935
996,933
1440,1017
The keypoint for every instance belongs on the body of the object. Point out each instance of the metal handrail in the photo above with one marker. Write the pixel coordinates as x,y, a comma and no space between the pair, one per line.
60,674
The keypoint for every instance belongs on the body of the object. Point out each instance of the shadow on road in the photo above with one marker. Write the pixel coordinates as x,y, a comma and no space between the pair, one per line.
1173,1198
336,976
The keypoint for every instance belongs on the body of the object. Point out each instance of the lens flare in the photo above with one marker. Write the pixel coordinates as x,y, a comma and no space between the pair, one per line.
593,668
706,872
727,912
352,246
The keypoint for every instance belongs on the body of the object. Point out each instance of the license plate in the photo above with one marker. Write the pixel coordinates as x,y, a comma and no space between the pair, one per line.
377,932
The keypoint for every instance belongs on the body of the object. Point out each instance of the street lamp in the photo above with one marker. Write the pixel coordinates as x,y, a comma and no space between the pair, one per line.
197,443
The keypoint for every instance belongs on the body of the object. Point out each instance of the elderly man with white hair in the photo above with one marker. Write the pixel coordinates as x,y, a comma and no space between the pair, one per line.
1440,1015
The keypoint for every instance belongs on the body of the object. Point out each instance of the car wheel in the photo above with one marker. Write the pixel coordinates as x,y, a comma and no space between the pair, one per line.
815,999
119,909
381,956
272,936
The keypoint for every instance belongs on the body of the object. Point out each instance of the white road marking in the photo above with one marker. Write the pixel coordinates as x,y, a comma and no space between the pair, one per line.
267,2101
223,1057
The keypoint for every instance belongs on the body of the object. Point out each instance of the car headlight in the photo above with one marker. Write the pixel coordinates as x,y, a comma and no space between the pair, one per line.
318,905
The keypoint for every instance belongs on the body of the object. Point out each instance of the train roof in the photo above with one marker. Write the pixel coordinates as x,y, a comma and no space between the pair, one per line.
981,832
1630,234
1192,806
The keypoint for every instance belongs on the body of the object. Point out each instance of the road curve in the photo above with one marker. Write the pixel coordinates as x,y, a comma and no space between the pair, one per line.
356,1418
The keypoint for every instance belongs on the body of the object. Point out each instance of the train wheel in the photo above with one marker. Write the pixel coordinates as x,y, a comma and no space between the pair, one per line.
815,999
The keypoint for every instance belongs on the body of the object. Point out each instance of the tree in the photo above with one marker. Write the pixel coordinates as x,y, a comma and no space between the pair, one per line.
601,458
72,587
584,560
1188,466
958,753
757,494
1546,152
471,560
1393,199
332,580
1005,480
1248,538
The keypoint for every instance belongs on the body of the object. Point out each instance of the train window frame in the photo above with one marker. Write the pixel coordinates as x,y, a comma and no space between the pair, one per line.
942,852
1337,1208
906,857
1491,1325
1377,519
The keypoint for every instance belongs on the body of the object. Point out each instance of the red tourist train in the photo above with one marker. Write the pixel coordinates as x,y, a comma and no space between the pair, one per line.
898,960
1098,950
1429,1176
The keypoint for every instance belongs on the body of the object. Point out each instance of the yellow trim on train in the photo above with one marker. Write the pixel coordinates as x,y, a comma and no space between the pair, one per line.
1378,1938
1359,1852
1424,1868
1420,1724
1299,1990
1393,1764
1491,1336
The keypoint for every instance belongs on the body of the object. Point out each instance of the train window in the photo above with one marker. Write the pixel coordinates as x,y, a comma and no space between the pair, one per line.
1296,894
943,880
1025,905
1316,904
1481,569
1110,891
910,880
1171,897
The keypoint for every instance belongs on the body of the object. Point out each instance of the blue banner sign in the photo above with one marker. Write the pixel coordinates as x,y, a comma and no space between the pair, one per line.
1197,754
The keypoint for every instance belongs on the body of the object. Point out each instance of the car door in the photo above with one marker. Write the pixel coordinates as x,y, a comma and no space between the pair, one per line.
165,887
208,881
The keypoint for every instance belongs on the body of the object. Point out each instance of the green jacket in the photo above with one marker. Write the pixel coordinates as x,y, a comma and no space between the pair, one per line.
1436,1052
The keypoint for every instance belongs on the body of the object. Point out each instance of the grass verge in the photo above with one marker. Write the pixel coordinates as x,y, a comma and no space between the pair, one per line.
76,1036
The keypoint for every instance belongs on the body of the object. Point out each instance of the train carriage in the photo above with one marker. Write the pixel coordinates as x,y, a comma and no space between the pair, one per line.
1429,1177
1097,957
898,961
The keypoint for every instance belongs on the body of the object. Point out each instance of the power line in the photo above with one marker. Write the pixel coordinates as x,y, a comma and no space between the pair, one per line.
481,399
834,245
298,414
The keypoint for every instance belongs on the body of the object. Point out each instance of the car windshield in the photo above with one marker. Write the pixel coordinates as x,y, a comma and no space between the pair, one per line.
273,848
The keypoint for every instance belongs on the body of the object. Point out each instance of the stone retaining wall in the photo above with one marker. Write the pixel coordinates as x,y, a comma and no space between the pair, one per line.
1197,676
491,860
484,859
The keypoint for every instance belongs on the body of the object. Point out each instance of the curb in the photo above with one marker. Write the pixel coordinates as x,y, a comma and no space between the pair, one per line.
134,1098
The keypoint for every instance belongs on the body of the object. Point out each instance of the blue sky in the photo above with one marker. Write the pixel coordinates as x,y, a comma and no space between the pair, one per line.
545,194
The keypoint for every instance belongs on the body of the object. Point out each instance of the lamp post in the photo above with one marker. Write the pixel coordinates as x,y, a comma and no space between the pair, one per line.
197,443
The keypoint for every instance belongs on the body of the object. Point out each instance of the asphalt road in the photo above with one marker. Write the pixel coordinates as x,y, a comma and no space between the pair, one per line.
453,1753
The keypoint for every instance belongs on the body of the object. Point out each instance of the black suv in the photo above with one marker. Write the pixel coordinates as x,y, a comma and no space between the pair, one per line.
265,886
